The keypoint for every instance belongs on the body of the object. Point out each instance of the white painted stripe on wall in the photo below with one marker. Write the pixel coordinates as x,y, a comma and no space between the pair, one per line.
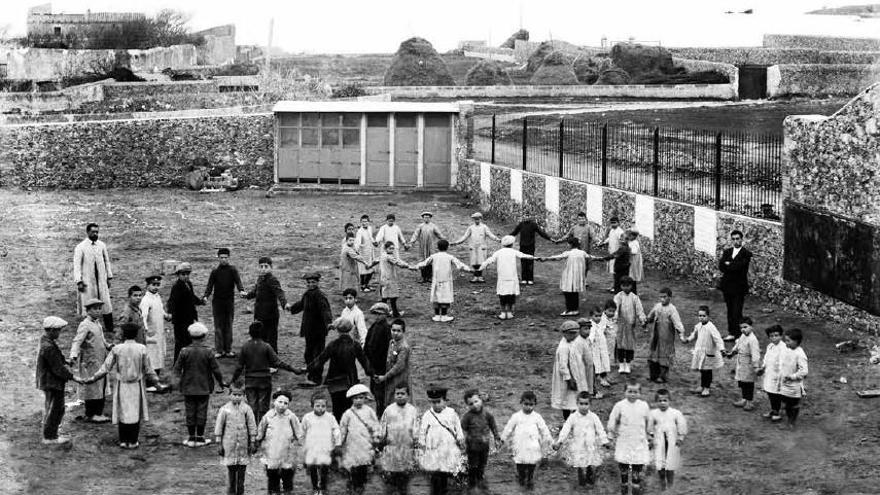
485,178
551,194
516,186
594,203
645,215
705,230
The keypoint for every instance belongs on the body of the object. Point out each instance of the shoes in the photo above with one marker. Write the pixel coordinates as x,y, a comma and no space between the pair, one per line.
152,389
749,406
56,441
502,316
739,403
273,370
201,441
446,318
569,313
123,445
218,355
704,392
509,315
620,368
475,280
729,338
604,383
770,414
189,442
776,418
523,282
598,395
436,318
230,354
98,419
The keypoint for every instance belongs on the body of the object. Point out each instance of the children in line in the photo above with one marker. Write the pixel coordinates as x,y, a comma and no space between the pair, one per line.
198,370
315,324
256,361
583,436
399,432
389,277
477,234
666,326
88,351
630,314
235,432
376,349
629,427
507,286
182,304
425,237
278,432
363,244
442,290
479,429
224,282
771,367
707,350
153,311
353,313
528,437
669,428
397,362
268,296
52,377
441,441
359,430
747,353
573,280
320,437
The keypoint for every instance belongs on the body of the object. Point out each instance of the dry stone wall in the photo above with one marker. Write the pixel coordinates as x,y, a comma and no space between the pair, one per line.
819,79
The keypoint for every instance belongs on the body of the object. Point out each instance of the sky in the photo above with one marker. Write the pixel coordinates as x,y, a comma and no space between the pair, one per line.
378,26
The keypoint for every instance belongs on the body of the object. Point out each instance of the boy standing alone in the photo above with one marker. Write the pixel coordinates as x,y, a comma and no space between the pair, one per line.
224,281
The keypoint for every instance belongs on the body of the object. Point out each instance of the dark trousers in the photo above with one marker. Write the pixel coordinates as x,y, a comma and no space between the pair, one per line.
439,483
667,477
236,479
477,460
318,475
528,266
358,476
129,432
340,403
734,302
181,337
196,410
392,301
224,312
52,413
258,399
108,322
427,273
94,407
586,476
477,273
378,391
792,407
507,299
441,309
624,355
705,378
279,479
625,476
314,346
748,390
572,300
775,402
398,482
270,331
524,473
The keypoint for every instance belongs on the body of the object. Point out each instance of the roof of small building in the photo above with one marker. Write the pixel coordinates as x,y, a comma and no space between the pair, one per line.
364,107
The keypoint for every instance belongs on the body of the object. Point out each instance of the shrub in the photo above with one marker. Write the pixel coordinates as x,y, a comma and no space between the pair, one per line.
613,76
417,63
348,91
487,73
638,59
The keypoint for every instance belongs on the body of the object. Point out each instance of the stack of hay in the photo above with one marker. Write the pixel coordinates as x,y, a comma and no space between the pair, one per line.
417,63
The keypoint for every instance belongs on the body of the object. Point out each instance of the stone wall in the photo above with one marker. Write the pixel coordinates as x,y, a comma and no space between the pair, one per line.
821,42
65,100
820,80
50,64
774,56
678,239
661,91
157,59
136,153
691,65
490,53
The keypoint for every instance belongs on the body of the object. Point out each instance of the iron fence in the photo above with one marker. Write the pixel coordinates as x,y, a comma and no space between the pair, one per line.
737,172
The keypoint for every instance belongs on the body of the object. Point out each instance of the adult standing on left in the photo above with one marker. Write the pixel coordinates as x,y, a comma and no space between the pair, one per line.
734,266
92,274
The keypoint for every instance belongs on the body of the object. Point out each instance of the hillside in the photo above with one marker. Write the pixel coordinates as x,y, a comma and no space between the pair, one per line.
871,10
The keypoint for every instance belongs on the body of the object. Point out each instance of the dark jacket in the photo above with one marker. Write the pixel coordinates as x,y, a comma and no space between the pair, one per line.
316,316
268,294
182,303
735,275
622,259
254,360
223,282
52,372
132,314
527,230
376,345
342,372
478,427
198,369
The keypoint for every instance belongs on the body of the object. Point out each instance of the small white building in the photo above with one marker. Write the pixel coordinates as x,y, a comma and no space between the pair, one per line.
370,143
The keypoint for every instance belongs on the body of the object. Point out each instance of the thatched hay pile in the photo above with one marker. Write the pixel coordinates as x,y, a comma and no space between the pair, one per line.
556,70
522,34
417,63
487,73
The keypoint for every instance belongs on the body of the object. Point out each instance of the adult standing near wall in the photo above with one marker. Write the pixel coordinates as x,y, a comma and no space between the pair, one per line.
734,266
526,229
92,274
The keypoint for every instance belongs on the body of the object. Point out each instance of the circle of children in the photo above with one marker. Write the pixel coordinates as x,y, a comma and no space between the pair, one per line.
440,443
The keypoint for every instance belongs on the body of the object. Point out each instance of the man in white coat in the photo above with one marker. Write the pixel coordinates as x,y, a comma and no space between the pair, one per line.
92,274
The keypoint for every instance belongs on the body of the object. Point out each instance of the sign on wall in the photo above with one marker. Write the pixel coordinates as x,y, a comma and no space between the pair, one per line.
594,204
833,254
705,230
516,186
645,215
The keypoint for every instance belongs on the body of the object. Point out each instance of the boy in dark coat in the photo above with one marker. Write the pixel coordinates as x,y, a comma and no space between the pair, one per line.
316,321
198,369
224,282
376,350
181,306
343,354
52,375
268,295
256,360
132,314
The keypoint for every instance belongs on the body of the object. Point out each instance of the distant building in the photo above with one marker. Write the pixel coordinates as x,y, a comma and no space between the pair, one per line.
43,24
219,45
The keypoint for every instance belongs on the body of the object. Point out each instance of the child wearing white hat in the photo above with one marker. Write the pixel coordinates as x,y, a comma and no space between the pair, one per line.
198,370
52,375
507,286
359,429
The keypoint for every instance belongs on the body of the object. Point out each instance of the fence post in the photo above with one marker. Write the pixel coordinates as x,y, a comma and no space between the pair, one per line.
525,142
718,171
656,161
561,146
605,154
493,139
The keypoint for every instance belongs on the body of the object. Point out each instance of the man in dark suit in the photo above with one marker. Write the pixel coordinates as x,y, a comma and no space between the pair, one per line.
734,266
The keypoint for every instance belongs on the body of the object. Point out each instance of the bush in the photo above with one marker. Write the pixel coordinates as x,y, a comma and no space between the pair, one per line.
586,70
522,34
487,73
417,63
246,69
613,76
348,91
638,59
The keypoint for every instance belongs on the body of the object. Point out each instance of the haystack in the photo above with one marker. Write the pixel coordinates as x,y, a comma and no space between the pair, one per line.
536,59
417,63
556,70
522,34
613,76
638,59
587,69
487,73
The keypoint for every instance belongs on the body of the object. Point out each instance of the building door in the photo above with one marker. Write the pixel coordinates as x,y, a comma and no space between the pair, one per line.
378,149
288,147
406,150
438,150
752,82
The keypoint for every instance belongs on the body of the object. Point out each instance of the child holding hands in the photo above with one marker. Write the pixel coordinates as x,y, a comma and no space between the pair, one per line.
747,352
583,434
359,429
630,424
527,434
320,437
670,428
278,433
235,432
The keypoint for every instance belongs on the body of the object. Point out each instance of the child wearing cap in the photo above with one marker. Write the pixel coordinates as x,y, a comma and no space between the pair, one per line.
235,432
153,311
442,290
507,286
198,370
399,430
320,438
255,361
441,441
315,323
89,350
569,375
353,313
363,244
389,277
359,429
425,237
130,365
224,282
390,232
278,432
52,376
477,232
182,304
376,349
132,314
268,296
342,373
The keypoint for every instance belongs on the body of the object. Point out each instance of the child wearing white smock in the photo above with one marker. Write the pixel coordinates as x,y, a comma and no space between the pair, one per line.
442,289
153,311
707,350
441,440
359,428
278,432
583,436
320,437
629,423
477,234
528,437
507,285
669,428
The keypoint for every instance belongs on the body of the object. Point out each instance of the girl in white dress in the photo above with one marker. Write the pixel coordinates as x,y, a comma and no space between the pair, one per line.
477,233
599,345
770,368
320,437
442,290
359,429
574,275
630,424
363,242
507,286
527,435
278,432
670,428
584,436
441,440
707,350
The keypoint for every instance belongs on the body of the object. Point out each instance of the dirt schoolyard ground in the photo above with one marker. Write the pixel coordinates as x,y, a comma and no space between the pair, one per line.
833,451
